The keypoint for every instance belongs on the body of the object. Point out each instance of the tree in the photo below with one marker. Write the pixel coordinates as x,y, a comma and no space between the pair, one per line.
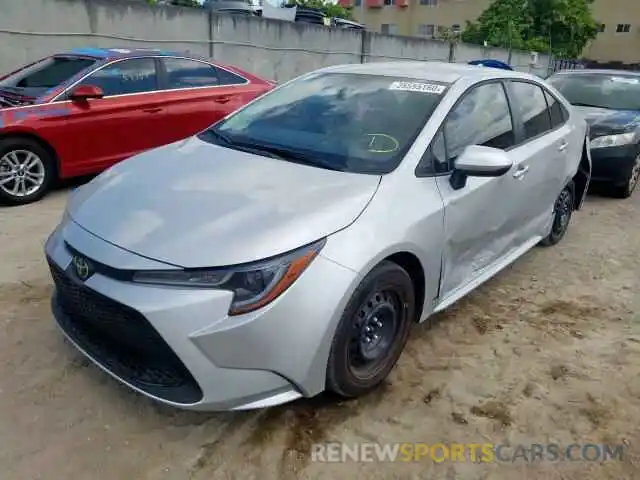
329,9
562,26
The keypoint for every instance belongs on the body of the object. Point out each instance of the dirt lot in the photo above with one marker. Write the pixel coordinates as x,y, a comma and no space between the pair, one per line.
548,352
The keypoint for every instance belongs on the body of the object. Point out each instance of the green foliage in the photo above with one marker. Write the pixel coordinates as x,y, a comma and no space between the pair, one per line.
329,9
564,25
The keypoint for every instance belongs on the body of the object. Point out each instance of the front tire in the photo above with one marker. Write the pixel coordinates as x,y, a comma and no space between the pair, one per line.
26,171
562,212
372,331
626,190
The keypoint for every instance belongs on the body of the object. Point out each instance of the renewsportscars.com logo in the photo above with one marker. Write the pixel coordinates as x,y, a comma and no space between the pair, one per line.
464,452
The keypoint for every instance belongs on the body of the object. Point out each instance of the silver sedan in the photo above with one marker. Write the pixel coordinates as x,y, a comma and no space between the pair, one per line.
289,248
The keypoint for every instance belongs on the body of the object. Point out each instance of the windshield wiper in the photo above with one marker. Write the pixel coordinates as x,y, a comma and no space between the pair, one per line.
9,103
290,155
278,153
221,137
579,104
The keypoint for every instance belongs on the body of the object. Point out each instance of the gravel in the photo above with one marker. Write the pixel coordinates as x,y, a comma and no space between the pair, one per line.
546,352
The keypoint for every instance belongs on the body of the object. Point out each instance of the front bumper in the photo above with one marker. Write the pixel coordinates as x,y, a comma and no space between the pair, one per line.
613,164
179,346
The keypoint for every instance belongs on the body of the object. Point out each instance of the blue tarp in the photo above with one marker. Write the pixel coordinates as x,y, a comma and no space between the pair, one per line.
491,63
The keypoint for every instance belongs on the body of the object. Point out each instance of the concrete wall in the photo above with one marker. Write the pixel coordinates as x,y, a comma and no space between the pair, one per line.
31,29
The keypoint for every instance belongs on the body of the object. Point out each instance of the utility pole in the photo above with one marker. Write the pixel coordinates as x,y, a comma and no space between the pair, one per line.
525,3
510,41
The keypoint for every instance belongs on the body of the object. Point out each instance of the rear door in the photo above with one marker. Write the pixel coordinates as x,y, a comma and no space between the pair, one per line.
540,157
199,94
480,219
127,120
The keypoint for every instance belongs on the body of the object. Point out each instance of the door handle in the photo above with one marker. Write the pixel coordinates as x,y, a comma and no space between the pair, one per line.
152,110
223,99
563,146
521,172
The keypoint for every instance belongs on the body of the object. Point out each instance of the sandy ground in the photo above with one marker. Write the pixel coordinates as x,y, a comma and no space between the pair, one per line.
547,352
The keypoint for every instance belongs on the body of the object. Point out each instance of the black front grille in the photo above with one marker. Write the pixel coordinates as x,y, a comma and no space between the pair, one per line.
121,339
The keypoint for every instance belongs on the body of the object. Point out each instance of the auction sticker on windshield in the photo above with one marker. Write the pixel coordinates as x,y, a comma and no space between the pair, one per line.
417,87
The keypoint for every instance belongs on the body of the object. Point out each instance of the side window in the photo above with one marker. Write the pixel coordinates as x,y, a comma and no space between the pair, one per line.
135,75
228,78
481,118
434,159
439,154
184,73
557,111
531,106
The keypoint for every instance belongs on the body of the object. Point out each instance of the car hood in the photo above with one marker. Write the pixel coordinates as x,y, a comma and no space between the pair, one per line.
603,121
194,204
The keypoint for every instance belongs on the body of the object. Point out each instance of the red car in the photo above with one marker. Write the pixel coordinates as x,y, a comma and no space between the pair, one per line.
78,113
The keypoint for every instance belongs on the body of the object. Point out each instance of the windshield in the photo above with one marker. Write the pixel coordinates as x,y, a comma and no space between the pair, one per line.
45,74
613,91
348,122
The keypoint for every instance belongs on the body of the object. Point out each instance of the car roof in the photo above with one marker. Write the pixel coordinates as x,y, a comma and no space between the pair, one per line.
432,71
598,71
117,53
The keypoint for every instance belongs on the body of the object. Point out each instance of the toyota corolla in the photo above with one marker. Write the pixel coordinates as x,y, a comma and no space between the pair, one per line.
289,248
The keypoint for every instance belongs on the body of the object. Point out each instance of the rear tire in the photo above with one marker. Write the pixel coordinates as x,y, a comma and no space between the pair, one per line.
562,212
626,190
372,331
27,170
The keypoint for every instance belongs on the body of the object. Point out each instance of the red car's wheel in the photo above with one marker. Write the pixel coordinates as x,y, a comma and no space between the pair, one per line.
26,171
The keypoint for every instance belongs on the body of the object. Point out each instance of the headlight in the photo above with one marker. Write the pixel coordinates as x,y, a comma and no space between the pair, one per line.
613,140
253,285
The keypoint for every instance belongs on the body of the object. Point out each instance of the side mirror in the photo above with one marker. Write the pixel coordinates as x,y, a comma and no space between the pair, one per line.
85,92
479,161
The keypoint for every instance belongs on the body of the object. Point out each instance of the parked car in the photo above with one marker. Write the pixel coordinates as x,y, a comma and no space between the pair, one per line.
289,248
311,15
80,112
349,24
610,102
489,62
238,7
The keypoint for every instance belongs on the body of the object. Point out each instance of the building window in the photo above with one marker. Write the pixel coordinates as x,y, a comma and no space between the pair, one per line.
623,28
601,27
389,2
389,29
357,3
429,3
427,30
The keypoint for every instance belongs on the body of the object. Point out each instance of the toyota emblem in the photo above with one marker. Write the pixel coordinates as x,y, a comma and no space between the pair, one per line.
82,267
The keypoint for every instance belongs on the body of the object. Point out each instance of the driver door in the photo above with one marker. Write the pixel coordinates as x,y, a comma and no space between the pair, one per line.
127,120
481,218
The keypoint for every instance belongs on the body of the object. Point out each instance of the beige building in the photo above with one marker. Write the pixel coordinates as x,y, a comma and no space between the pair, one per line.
618,40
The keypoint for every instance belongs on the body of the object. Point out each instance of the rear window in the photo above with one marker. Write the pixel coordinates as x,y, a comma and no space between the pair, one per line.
357,123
